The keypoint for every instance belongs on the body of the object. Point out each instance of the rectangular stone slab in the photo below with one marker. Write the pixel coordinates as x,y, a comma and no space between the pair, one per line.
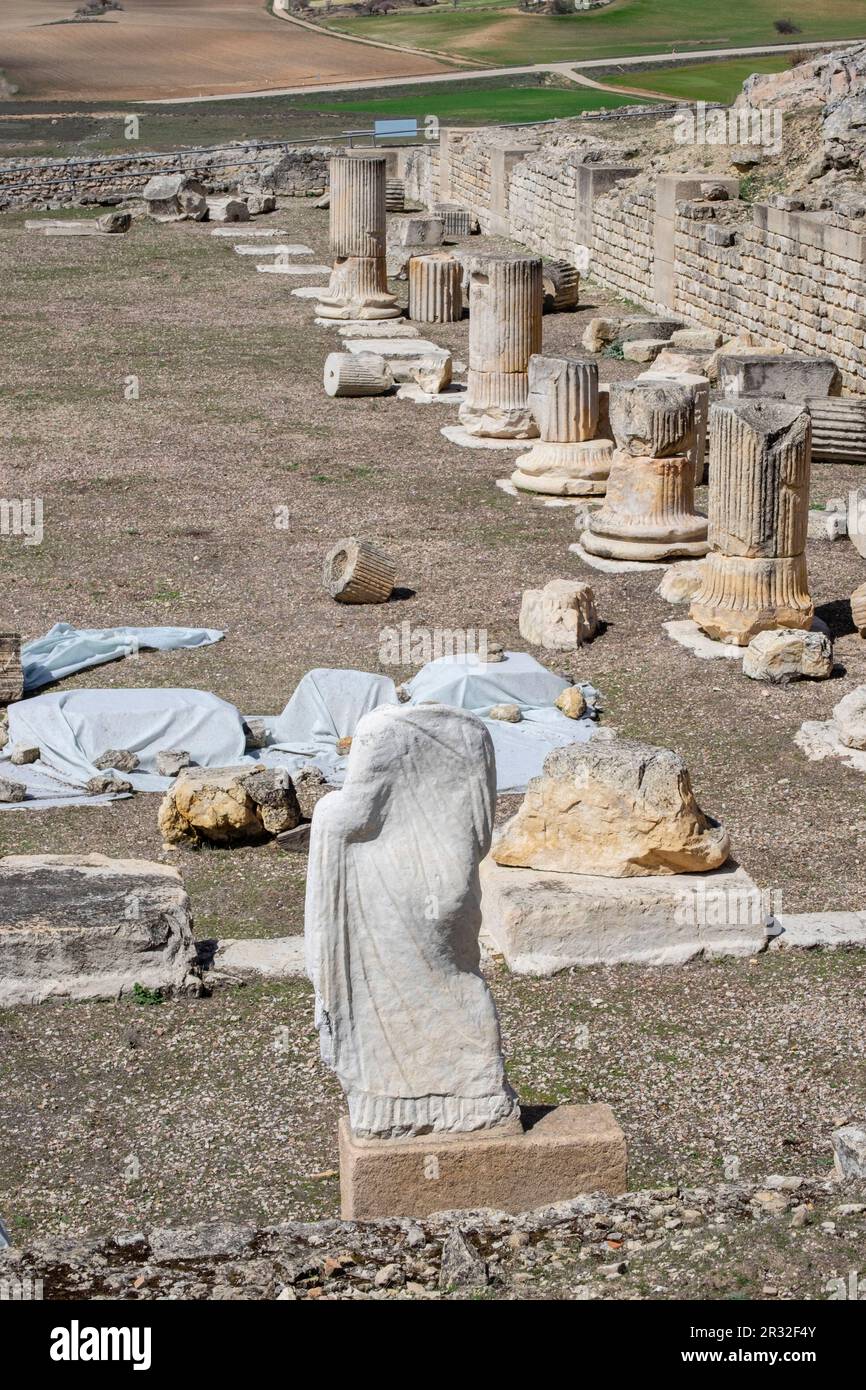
545,922
11,674
789,376
393,347
556,1155
294,269
89,927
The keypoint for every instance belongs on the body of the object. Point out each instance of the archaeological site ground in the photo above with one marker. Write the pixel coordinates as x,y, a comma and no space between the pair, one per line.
433,664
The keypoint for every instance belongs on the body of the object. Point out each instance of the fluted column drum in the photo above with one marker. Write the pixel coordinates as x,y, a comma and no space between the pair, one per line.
755,576
504,331
649,509
435,292
568,460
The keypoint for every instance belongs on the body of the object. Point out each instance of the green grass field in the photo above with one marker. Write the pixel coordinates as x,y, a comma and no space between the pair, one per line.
627,27
702,81
472,104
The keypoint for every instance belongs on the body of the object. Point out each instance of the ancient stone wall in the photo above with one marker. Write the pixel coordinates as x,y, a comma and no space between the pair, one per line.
796,279
39,183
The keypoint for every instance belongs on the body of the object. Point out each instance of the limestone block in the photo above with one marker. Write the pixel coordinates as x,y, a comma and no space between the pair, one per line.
175,198
787,654
788,376
22,753
849,1152
227,209
643,349
849,717
681,582
543,921
549,1155
856,519
118,759
114,222
614,807
858,609
89,927
561,616
356,374
11,791
229,805
508,714
824,525
432,372
171,761
11,673
356,571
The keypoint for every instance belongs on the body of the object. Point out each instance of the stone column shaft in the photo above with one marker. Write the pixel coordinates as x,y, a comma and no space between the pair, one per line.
569,460
435,293
755,576
359,282
505,298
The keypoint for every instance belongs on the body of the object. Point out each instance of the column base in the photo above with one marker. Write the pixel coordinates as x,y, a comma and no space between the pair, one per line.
578,469
643,548
556,1154
741,596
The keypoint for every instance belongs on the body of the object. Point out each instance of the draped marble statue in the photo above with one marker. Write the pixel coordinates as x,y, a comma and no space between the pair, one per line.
392,918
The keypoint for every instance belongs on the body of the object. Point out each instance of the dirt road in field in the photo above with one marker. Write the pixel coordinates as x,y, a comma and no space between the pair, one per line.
154,49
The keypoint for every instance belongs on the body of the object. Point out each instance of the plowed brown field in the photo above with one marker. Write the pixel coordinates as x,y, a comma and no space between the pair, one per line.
177,48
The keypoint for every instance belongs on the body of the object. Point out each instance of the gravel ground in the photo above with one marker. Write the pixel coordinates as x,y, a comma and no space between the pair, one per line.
161,510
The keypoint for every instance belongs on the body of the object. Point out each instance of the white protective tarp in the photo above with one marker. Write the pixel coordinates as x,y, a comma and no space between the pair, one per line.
73,728
65,649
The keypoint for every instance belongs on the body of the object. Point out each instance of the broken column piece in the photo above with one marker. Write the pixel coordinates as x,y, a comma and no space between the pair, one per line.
357,572
568,460
754,577
504,332
435,293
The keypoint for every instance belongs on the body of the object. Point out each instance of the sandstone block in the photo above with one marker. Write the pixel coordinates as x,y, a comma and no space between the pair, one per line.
548,1156
617,808
227,806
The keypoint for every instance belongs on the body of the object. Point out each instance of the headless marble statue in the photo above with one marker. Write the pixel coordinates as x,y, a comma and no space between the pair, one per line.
393,912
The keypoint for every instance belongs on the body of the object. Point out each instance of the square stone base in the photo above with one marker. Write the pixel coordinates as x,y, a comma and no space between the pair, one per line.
544,922
556,1154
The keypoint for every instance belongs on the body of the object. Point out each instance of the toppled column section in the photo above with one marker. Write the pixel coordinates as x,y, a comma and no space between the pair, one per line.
505,298
359,284
569,461
755,577
11,673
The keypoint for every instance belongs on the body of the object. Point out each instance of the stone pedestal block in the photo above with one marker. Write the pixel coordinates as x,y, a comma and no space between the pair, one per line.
544,921
549,1155
88,927
648,514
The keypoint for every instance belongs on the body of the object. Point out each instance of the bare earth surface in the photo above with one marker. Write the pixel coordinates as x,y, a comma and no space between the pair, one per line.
158,48
161,510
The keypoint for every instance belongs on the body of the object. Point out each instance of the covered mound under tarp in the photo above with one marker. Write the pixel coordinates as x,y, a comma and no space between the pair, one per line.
73,728
65,649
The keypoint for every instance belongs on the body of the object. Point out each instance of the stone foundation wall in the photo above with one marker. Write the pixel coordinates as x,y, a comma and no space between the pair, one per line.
622,242
41,183
796,279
